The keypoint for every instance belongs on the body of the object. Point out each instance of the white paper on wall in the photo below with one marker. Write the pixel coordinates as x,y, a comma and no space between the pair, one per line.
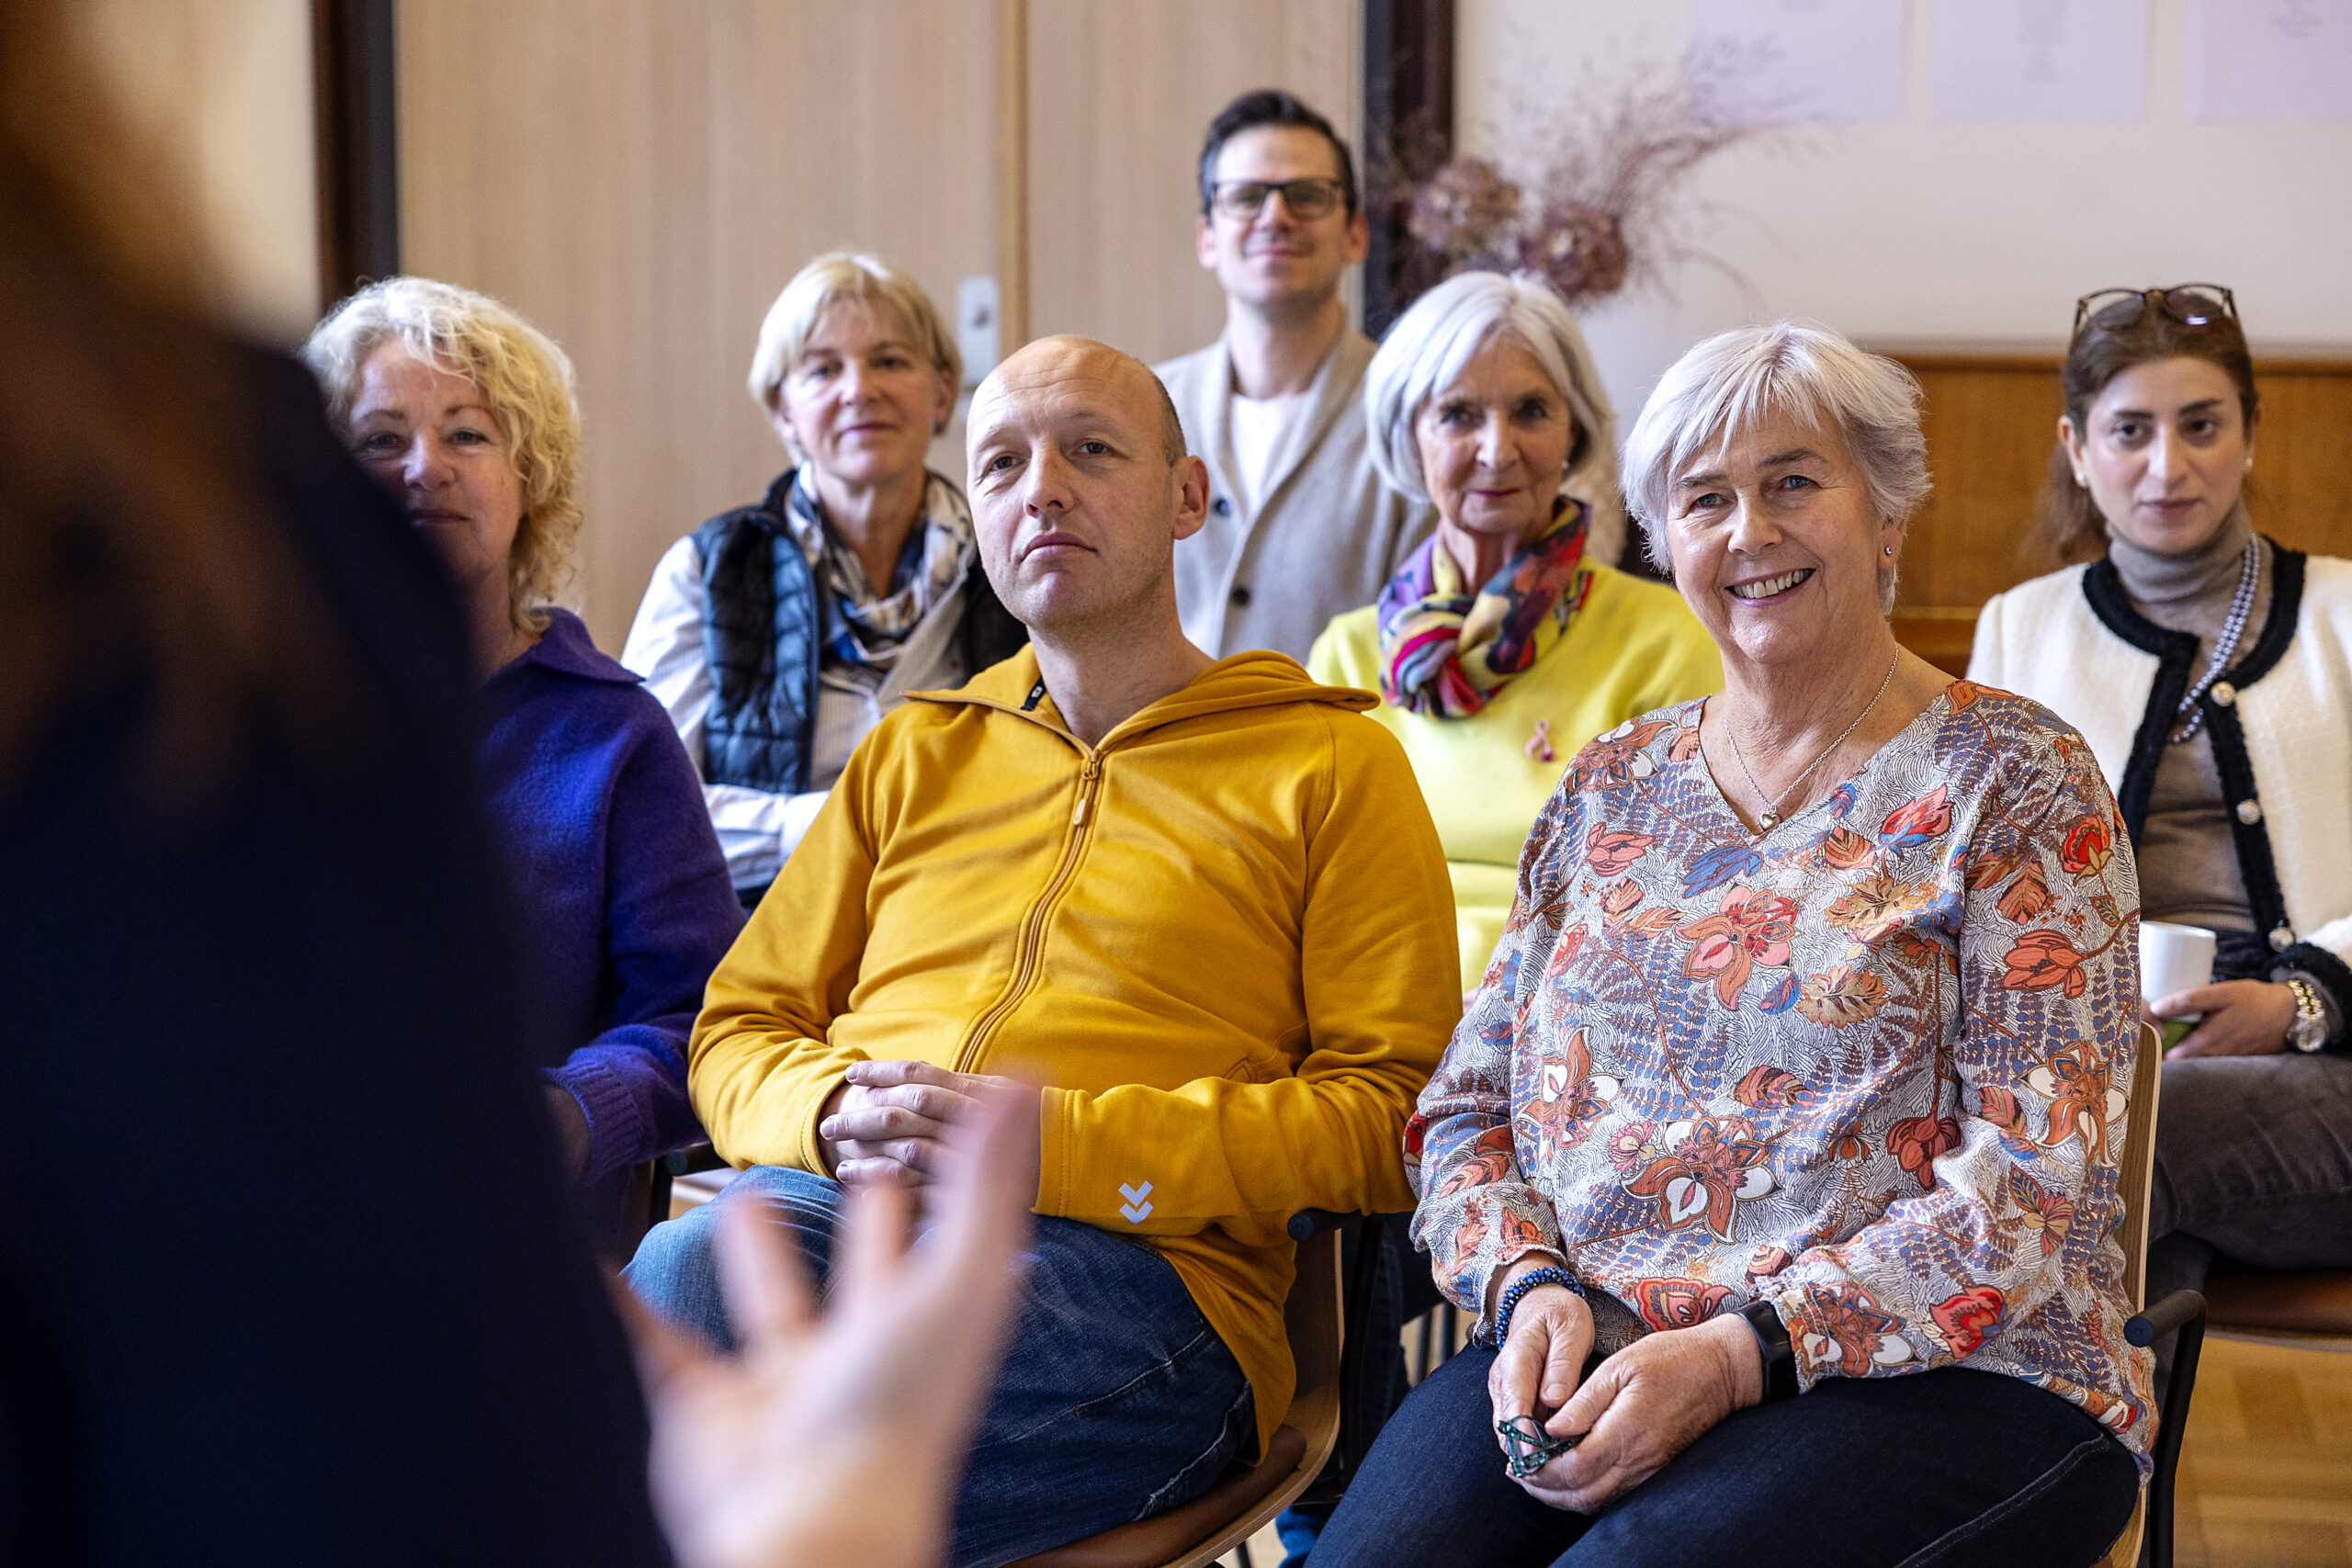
1769,60
2257,60
2041,60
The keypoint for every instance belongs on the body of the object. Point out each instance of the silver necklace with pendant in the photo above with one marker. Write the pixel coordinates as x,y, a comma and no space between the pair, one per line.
2225,647
1772,810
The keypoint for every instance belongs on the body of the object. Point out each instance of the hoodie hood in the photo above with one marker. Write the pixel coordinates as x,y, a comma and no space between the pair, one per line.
1258,678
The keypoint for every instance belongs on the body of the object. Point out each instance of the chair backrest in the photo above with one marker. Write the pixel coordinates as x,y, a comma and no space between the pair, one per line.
2139,1160
2139,1167
1312,1315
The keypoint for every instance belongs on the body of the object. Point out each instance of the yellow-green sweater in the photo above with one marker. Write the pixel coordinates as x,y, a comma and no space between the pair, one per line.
1631,647
1220,938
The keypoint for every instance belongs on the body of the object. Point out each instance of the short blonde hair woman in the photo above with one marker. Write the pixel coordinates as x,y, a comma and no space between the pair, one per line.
850,277
1506,640
778,633
463,411
521,381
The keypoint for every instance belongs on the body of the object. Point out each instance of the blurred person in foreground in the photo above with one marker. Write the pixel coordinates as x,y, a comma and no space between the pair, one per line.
777,635
2210,669
1502,645
1299,526
296,1286
1777,1152
463,412
1199,901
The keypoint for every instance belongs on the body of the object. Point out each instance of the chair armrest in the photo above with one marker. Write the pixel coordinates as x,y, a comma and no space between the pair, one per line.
2163,1317
687,1161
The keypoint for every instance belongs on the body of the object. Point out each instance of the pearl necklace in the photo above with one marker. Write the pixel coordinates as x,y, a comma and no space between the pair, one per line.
2224,647
1773,808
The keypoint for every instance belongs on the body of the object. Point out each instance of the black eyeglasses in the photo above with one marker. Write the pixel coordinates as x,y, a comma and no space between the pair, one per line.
1307,199
2190,304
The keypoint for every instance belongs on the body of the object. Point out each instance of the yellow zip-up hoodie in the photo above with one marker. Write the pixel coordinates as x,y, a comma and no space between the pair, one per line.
1223,938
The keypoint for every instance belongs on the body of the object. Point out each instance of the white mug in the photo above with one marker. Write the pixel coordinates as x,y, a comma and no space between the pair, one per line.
2173,959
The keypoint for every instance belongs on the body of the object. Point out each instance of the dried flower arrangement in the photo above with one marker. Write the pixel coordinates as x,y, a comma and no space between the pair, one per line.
1602,210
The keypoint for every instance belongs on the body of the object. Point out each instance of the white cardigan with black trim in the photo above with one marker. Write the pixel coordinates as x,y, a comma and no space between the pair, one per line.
2280,718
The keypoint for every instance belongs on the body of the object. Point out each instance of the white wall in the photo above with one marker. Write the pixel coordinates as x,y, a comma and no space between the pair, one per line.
1957,233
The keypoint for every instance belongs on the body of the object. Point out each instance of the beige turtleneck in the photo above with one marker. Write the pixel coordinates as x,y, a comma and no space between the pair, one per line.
2188,865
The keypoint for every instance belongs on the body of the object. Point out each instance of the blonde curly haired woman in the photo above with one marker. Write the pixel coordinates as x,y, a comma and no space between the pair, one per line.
464,411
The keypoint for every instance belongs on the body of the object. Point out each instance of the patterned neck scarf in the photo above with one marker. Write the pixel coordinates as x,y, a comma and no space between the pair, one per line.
1445,652
864,629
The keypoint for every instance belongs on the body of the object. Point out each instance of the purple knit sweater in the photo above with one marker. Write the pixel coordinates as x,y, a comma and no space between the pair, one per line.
625,896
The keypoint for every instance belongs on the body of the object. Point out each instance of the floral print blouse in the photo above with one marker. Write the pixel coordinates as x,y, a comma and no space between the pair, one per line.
1869,1066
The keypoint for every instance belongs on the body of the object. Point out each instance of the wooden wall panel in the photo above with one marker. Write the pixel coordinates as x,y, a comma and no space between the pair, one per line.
1991,420
1120,92
640,180
224,88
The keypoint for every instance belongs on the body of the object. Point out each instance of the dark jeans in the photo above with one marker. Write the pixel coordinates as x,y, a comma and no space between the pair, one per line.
1117,1399
1943,1468
2253,1162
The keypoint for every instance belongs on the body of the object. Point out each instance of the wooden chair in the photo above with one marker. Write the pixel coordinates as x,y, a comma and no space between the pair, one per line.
1239,1505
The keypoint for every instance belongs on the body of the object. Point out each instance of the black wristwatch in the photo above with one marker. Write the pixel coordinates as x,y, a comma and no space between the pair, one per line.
1780,1356
2309,1032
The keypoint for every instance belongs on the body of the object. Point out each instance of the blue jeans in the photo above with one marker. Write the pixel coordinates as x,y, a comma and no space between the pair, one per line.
1117,1399
1944,1468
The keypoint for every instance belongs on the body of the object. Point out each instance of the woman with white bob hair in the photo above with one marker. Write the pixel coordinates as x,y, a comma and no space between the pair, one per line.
1506,641
777,635
1777,1154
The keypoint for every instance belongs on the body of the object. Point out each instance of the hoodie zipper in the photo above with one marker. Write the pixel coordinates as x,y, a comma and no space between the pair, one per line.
1024,964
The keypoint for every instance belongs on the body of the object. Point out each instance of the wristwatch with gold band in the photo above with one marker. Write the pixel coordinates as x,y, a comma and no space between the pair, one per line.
2309,1032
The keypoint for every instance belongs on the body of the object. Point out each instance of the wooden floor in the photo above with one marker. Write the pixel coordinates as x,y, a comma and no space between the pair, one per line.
2266,1470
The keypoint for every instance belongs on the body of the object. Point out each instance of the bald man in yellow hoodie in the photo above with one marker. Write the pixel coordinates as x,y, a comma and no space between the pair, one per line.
1200,902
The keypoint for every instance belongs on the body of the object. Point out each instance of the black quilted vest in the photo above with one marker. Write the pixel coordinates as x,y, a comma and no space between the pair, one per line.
764,632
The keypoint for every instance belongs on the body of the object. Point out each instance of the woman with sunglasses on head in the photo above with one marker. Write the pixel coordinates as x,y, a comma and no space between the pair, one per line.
2207,667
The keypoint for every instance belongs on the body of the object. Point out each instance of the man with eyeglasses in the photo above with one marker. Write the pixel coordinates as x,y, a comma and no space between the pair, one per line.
1300,528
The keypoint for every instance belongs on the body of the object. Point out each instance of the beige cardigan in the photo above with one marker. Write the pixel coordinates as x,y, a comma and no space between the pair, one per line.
1327,535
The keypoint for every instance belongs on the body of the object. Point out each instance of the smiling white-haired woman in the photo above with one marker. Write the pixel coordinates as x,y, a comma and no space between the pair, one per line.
1508,639
1778,1151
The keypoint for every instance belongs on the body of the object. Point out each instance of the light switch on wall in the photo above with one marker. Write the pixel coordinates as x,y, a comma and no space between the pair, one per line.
976,335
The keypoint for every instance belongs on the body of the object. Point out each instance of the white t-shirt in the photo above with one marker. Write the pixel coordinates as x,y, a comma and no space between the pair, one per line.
1258,427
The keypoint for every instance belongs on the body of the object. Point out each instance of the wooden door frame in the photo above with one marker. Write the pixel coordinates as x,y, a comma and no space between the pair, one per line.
357,115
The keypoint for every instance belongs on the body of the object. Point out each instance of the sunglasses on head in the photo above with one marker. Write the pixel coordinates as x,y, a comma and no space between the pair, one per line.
2190,304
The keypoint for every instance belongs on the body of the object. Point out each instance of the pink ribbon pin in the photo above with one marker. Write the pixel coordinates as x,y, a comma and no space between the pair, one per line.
1539,746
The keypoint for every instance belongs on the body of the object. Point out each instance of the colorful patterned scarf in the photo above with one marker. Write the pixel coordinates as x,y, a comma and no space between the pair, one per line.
864,629
1445,652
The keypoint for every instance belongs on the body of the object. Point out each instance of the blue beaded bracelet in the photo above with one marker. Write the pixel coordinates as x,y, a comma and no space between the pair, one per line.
1520,1286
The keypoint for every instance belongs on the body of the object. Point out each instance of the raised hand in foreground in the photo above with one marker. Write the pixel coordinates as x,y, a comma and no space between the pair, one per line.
837,1437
